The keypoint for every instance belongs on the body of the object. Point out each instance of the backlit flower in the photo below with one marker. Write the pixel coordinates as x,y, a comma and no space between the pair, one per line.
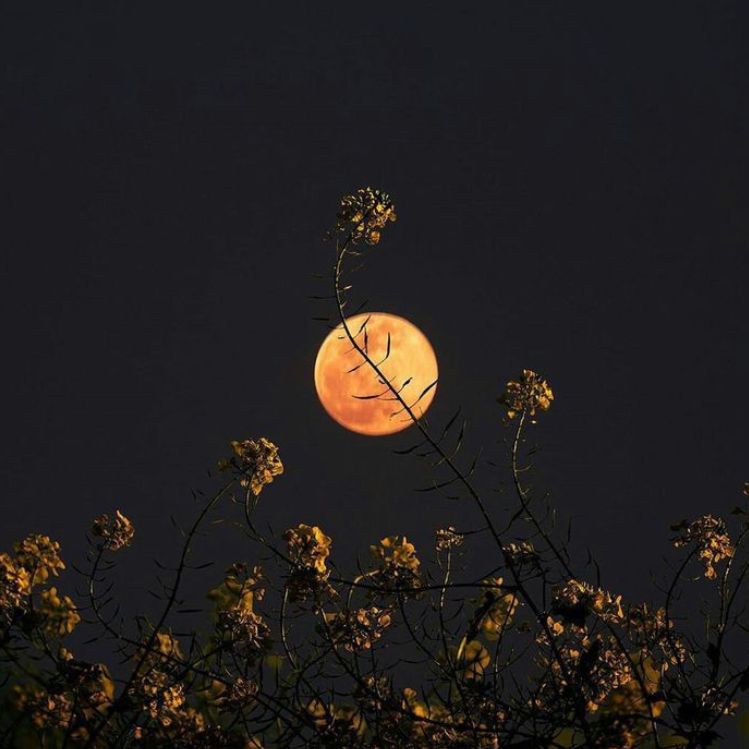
528,394
711,538
116,531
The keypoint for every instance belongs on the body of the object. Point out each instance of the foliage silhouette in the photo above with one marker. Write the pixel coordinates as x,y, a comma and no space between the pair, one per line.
404,653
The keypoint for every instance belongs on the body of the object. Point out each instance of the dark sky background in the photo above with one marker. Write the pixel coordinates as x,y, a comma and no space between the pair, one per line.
571,183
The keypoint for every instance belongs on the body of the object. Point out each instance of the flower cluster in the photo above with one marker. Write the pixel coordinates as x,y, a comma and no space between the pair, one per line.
91,683
448,538
40,555
626,712
45,709
496,608
237,695
711,538
116,531
365,214
85,691
309,549
15,586
575,600
241,587
359,629
592,666
255,462
434,725
34,562
244,630
172,721
397,563
652,629
164,699
58,613
528,394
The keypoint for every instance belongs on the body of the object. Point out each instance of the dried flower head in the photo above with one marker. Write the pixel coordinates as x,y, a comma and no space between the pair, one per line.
528,394
256,462
116,532
712,541
365,214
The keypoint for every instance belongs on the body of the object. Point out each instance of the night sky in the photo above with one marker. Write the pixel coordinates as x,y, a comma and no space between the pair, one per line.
571,184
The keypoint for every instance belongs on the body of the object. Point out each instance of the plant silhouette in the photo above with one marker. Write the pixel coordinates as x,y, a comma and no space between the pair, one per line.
411,650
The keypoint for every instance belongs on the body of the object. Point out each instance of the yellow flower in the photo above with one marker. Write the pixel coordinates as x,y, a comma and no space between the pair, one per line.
168,645
40,556
497,608
529,393
448,538
556,628
359,629
15,584
238,589
59,614
475,658
397,552
711,538
309,547
256,462
116,532
415,706
365,214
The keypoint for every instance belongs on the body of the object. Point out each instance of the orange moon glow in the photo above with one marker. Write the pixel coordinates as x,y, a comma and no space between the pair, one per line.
410,365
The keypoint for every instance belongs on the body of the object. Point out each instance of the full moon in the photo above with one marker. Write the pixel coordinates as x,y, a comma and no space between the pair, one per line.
346,384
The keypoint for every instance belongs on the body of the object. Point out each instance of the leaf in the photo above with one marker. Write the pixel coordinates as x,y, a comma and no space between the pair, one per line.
363,326
425,391
436,486
406,382
408,449
369,397
449,424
